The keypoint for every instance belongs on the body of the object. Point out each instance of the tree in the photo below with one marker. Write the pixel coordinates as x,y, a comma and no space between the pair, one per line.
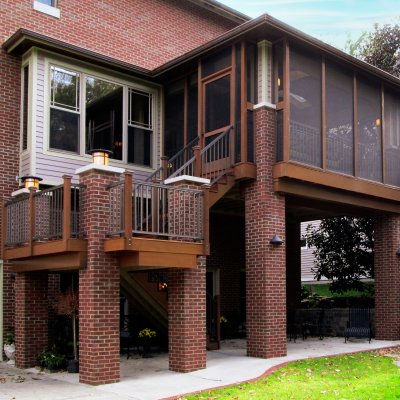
343,251
380,47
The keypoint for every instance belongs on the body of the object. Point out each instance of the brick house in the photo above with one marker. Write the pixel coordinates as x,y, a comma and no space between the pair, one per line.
214,134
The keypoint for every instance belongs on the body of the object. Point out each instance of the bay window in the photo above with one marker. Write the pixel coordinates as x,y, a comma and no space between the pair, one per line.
88,112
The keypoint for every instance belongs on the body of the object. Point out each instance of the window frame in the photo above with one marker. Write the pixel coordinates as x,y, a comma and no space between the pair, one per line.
86,70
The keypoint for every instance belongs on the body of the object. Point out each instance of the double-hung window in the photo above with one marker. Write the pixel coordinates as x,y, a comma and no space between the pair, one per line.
88,112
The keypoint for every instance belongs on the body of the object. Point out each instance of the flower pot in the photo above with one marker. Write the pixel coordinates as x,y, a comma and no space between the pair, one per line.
73,366
9,350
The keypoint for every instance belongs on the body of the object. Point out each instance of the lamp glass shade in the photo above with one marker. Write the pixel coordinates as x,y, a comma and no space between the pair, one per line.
31,182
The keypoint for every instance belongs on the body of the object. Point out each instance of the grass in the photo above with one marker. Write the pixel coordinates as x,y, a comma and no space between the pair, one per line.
361,376
322,289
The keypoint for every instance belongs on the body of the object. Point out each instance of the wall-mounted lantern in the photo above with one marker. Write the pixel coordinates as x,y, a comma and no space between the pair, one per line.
276,240
31,181
100,156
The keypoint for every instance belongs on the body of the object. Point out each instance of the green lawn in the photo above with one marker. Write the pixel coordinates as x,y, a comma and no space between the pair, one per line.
322,289
348,377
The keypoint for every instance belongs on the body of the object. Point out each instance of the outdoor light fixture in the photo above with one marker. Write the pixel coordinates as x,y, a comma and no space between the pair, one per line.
378,122
398,252
100,156
276,240
31,181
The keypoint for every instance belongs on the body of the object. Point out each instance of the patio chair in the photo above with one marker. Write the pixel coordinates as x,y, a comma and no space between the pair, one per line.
293,326
359,324
313,325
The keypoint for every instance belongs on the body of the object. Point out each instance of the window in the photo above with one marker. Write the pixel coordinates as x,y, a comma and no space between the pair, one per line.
51,3
140,128
64,110
88,112
48,7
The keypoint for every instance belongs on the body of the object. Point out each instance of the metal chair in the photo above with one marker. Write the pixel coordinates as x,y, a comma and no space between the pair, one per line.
359,324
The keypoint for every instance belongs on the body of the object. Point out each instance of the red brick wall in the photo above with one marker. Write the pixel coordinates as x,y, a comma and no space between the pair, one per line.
146,33
99,285
387,277
187,318
31,317
227,245
265,269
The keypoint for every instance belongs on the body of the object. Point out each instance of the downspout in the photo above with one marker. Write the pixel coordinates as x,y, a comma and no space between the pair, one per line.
1,310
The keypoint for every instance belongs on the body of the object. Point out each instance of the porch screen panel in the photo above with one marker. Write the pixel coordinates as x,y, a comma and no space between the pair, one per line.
369,130
392,137
174,118
216,62
339,119
192,116
218,95
305,107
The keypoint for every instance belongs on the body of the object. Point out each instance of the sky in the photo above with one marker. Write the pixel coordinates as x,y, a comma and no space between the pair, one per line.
332,21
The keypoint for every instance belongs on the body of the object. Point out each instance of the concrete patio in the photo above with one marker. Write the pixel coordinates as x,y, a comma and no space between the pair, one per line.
150,379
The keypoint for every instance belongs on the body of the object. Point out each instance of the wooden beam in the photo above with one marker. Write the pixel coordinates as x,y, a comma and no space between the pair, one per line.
153,245
325,178
243,105
320,193
52,262
245,171
156,260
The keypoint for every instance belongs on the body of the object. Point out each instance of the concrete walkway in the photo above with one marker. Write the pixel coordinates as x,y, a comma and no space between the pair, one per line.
150,379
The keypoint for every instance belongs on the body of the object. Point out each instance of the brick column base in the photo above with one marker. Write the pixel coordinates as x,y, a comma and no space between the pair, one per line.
187,318
387,277
265,263
31,317
99,286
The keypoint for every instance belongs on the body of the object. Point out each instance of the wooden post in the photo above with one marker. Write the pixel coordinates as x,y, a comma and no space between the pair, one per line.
197,164
67,208
164,165
155,211
32,219
206,221
128,179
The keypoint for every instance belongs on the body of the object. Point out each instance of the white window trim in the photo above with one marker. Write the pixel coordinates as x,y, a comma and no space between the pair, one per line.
85,70
44,8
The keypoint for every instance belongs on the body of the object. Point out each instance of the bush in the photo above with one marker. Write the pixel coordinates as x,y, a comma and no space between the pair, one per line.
51,360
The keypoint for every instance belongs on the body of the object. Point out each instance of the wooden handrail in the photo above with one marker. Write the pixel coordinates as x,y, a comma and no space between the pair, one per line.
67,208
128,179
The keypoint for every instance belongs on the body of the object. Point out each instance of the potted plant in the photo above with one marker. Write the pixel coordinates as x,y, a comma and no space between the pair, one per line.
68,304
146,335
9,347
51,360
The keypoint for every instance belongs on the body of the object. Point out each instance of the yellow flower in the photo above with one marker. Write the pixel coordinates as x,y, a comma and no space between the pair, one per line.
147,333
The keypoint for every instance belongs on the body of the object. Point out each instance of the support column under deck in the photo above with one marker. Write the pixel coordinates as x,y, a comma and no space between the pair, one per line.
187,318
387,277
31,317
265,263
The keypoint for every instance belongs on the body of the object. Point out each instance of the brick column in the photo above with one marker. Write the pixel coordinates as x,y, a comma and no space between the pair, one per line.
31,317
387,277
186,287
293,265
187,318
265,263
99,286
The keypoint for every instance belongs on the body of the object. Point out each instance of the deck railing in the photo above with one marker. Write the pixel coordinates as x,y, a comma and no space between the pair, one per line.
50,214
169,166
156,210
213,161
